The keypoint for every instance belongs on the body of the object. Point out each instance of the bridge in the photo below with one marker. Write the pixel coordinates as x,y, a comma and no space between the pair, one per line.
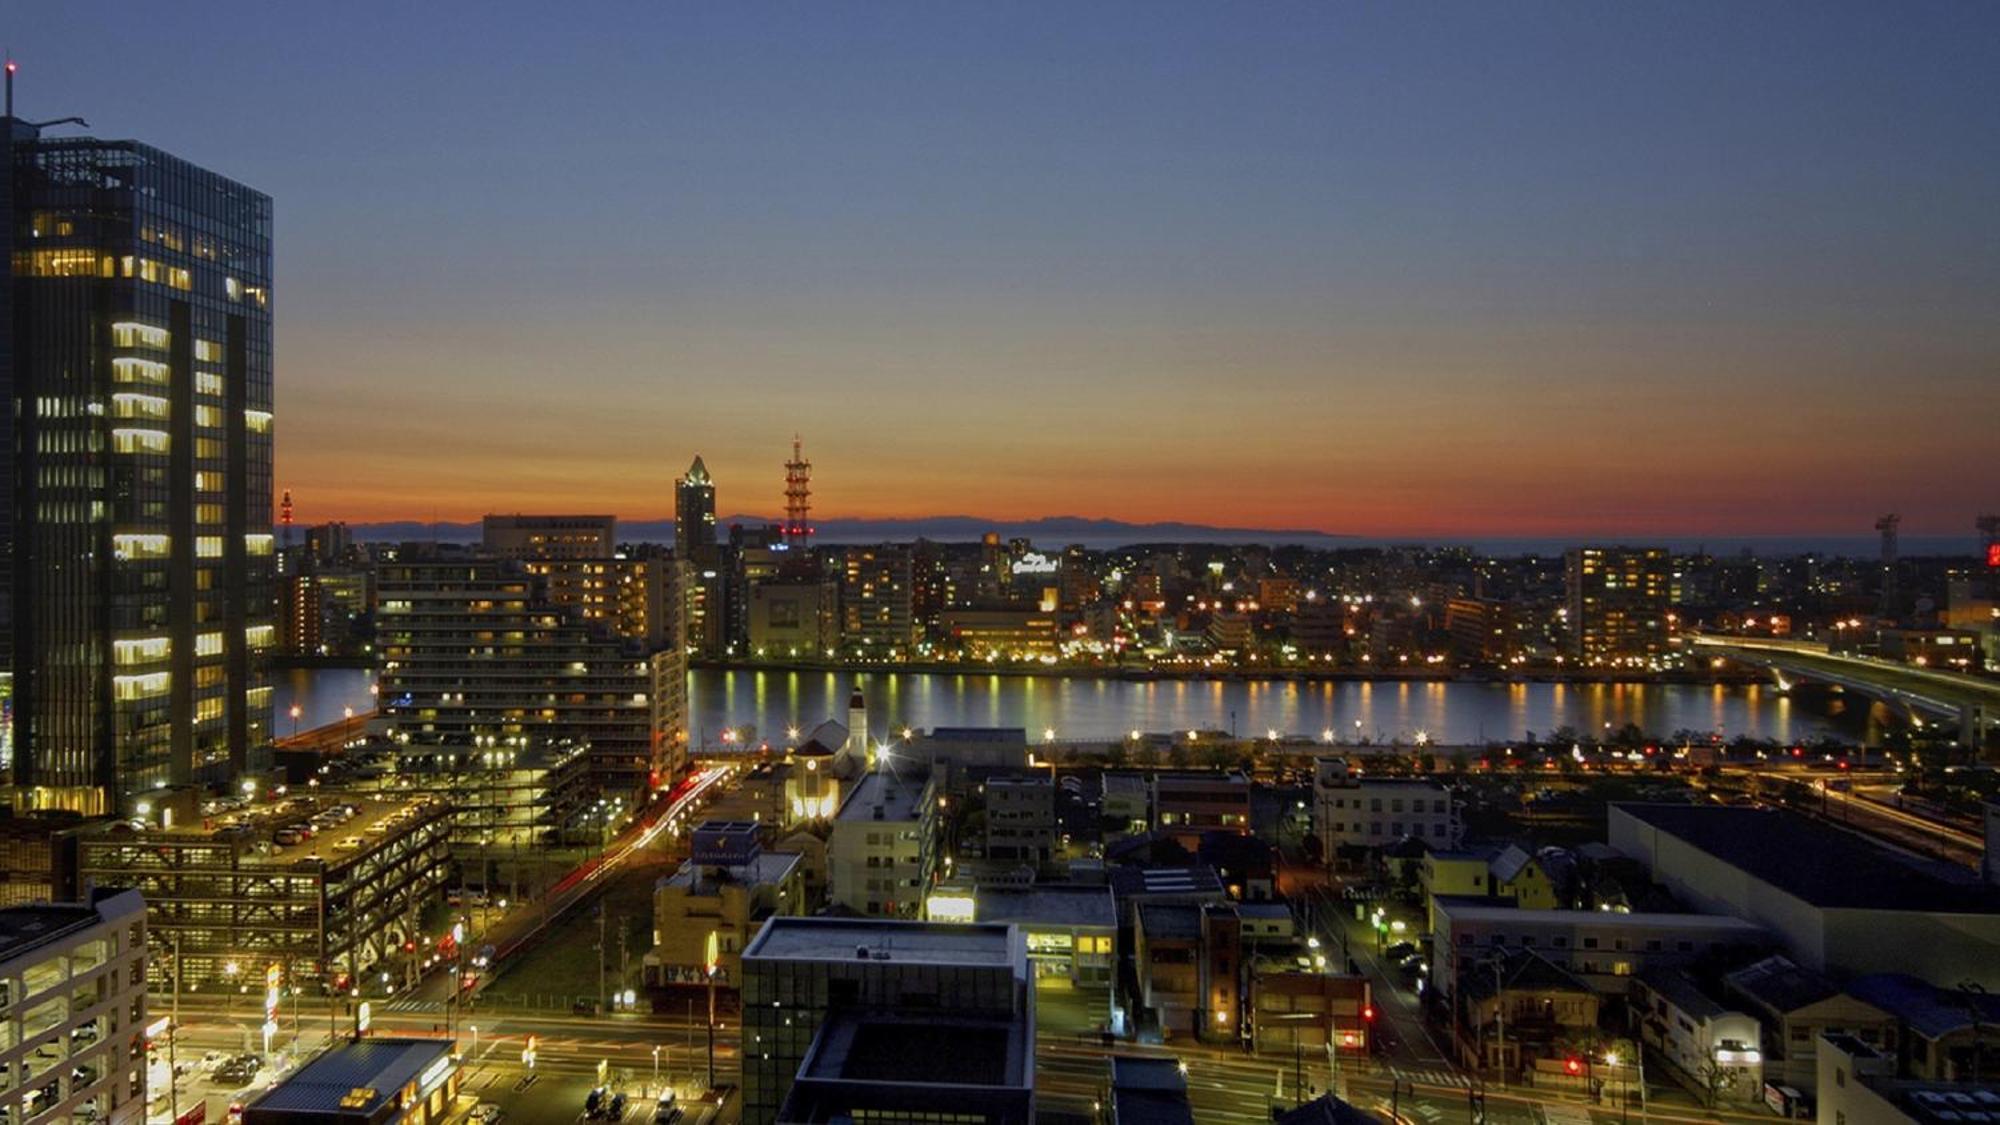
1972,701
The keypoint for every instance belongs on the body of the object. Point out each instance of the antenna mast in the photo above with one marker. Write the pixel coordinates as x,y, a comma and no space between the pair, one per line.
798,499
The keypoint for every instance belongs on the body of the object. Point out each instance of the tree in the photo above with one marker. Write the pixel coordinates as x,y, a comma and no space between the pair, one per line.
1717,1078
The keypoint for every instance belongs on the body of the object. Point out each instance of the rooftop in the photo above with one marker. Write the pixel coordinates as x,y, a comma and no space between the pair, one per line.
896,798
24,928
1465,908
1928,1010
1198,880
1780,985
786,938
381,1066
1048,905
1682,992
1148,1091
933,1050
977,734
1823,866
767,869
1170,921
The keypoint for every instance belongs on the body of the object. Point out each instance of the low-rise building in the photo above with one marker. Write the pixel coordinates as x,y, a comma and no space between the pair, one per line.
523,790
1941,1033
1148,1091
1715,1049
365,1082
1857,1085
1603,947
263,886
871,1019
882,855
1021,821
1796,1006
1189,961
705,913
73,1011
1515,1007
1186,805
1355,810
1313,1012
1839,903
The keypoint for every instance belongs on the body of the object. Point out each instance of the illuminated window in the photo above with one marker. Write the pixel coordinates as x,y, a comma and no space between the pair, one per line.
178,278
131,334
260,636
257,421
126,404
140,546
125,369
207,416
207,383
208,546
134,440
258,542
208,513
66,263
140,650
147,686
208,709
208,351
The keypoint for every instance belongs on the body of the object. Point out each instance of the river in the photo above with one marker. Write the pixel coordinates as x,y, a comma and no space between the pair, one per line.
1448,713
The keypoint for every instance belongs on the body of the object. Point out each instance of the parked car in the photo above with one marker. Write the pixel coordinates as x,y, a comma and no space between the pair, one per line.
1400,950
486,1113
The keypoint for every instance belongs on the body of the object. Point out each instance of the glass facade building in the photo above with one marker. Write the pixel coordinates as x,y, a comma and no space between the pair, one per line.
137,501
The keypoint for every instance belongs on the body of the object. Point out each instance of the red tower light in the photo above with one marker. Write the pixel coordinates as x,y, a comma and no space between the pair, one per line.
1573,1065
1368,1012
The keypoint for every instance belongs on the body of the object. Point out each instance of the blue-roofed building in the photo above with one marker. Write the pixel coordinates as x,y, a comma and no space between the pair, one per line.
366,1082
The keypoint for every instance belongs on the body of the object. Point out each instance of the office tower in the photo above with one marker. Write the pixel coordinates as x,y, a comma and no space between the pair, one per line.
703,584
136,507
476,648
1618,600
694,516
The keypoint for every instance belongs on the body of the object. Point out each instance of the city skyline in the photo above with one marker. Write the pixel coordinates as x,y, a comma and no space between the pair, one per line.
1366,273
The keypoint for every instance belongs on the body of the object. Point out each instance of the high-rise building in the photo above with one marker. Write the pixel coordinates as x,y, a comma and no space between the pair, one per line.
1618,603
702,580
876,615
136,591
475,647
694,516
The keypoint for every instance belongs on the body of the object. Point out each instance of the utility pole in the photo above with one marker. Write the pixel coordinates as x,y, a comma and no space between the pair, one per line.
600,954
173,1034
1500,1016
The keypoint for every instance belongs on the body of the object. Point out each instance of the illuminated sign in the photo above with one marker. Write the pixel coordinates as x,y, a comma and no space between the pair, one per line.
433,1075
364,1018
1034,563
1993,555
948,906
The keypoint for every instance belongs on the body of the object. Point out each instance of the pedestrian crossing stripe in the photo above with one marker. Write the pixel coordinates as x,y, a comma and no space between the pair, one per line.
1430,1077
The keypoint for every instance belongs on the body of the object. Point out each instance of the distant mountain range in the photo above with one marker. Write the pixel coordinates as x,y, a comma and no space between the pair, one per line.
1056,532
1053,531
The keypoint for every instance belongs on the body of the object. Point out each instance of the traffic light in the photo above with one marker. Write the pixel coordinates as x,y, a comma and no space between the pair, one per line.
1368,1012
1573,1066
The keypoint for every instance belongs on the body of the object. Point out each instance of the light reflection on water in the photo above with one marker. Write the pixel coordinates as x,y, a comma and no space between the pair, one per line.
1450,713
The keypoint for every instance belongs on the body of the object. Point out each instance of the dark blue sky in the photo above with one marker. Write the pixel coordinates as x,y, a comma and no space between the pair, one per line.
1395,268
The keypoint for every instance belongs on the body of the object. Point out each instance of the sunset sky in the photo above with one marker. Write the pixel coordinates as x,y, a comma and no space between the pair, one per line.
1388,269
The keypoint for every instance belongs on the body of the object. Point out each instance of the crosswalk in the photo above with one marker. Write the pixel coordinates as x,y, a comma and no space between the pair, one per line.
414,1006
1426,1076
